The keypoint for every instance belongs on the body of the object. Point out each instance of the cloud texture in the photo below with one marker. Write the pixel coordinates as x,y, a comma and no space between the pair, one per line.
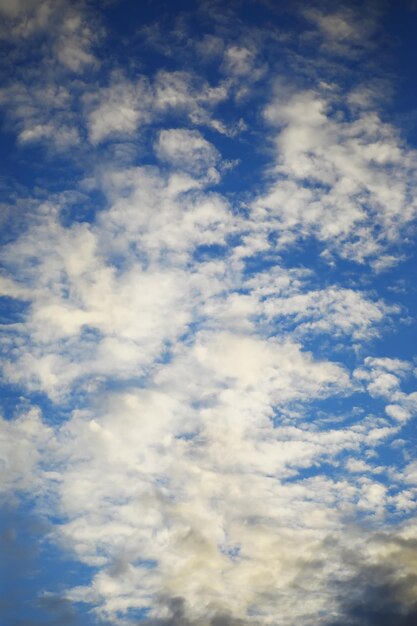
207,403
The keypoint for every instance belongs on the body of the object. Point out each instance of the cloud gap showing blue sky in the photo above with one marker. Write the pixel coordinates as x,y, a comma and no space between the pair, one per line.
208,331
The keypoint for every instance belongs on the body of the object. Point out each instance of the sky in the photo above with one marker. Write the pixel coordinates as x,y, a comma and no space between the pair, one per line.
208,322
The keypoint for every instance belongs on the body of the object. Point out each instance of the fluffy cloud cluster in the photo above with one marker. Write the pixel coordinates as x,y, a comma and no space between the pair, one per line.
347,182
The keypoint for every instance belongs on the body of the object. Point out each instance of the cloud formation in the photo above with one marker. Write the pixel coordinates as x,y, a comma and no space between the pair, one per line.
209,402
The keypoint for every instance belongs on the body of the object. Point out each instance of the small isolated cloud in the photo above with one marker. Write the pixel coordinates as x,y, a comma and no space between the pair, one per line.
187,150
346,31
238,61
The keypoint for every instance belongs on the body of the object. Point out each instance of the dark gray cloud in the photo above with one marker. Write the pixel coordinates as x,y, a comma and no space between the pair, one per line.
178,617
375,605
383,594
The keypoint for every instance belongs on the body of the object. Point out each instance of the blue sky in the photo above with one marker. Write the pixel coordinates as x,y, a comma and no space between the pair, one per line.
208,323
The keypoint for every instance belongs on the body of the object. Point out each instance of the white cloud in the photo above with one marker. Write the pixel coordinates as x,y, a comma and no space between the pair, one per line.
119,109
66,29
238,61
188,150
74,42
382,377
41,113
161,483
188,94
205,457
124,107
163,214
345,32
24,17
346,183
23,442
332,310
